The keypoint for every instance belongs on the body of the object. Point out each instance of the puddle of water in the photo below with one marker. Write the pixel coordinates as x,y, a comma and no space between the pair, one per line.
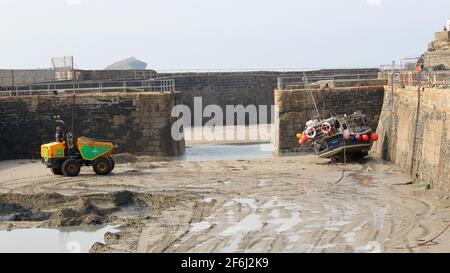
44,240
227,152
270,203
285,224
246,201
200,226
326,246
275,213
250,223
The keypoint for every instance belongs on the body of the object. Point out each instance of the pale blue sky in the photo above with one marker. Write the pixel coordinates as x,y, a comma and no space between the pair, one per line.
212,34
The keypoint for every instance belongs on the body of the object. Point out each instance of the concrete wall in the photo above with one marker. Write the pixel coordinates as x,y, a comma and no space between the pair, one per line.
104,75
17,77
242,88
139,123
9,77
293,108
420,145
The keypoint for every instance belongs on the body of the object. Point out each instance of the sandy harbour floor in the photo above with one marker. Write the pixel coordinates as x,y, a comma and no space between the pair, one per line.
284,204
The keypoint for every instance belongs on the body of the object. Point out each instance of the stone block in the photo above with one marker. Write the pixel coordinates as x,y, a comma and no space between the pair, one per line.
119,120
442,36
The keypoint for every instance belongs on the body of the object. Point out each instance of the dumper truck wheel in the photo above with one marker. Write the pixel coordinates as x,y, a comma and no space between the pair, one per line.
102,166
71,167
113,163
56,171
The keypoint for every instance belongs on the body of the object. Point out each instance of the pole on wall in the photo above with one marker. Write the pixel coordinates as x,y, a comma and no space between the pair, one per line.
391,106
416,125
12,79
392,76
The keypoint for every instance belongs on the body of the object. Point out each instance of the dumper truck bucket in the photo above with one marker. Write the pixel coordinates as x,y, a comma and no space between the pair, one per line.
91,149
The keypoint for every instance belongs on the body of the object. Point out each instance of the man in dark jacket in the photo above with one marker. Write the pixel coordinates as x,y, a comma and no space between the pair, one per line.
59,136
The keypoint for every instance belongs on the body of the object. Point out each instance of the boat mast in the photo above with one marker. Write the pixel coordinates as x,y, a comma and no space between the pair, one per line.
307,85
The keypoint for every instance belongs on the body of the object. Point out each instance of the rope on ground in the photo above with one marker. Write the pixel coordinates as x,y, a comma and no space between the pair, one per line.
342,177
437,236
343,171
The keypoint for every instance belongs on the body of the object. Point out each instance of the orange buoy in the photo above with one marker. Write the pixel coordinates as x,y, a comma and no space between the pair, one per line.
365,138
374,137
358,137
301,142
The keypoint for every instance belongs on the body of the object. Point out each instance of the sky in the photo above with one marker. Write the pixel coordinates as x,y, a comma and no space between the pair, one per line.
213,34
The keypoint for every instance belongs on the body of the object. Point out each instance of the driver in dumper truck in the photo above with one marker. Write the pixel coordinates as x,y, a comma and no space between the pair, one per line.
59,135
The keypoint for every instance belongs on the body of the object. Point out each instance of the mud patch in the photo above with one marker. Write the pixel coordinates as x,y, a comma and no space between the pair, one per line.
56,210
14,212
363,180
125,158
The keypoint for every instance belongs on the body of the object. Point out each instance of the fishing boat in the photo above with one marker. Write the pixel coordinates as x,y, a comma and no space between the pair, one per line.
339,137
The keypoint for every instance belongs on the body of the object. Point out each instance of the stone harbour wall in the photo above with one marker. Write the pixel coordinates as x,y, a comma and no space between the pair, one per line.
138,123
415,133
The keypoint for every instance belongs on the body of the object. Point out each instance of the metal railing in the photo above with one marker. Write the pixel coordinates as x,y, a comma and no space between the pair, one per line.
428,79
285,82
390,67
55,88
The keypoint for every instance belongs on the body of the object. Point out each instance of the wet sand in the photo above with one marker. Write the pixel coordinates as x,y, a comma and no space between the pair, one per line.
287,204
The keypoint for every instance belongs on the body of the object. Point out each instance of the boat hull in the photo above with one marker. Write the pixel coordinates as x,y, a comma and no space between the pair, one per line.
336,145
347,149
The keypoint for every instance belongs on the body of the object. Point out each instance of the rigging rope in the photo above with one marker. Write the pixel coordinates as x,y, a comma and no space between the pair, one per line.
305,79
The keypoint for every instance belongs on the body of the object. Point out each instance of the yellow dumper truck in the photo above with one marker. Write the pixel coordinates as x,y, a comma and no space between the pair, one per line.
64,157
